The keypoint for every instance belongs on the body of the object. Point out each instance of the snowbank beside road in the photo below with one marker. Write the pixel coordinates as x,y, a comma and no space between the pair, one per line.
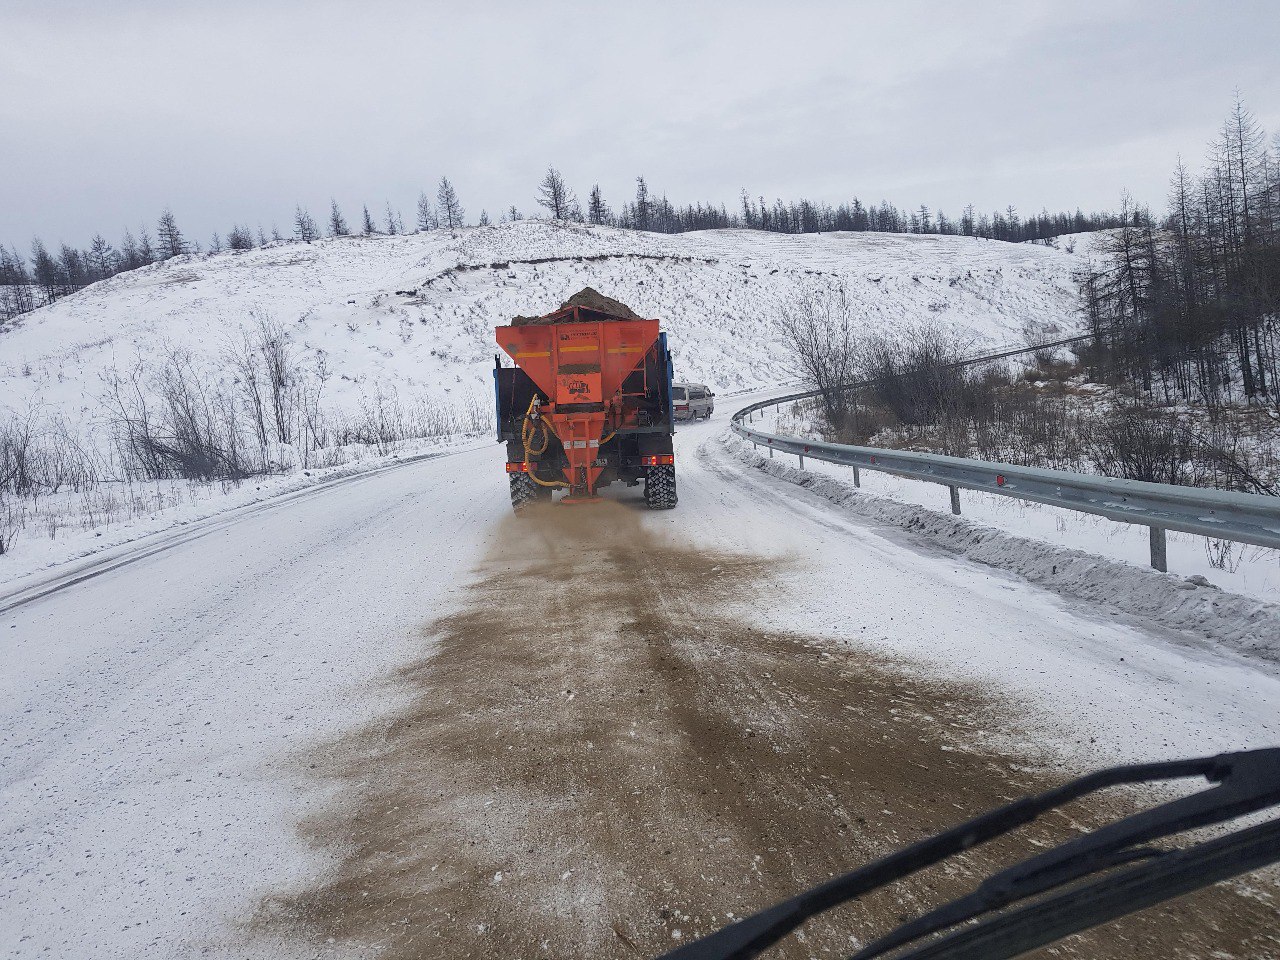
1197,611
116,518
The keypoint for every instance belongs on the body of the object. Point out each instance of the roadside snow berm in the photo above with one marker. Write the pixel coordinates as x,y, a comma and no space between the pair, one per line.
588,402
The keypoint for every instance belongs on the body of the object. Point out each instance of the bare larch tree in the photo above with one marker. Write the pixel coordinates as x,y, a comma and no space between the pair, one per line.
555,195
448,208
337,223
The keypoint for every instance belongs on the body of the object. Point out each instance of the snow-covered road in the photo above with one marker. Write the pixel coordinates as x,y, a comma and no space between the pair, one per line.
159,722
148,713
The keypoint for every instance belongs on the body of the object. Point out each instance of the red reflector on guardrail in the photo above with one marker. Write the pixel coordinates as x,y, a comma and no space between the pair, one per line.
999,479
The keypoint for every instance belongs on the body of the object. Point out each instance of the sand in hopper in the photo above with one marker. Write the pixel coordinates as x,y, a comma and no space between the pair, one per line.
591,300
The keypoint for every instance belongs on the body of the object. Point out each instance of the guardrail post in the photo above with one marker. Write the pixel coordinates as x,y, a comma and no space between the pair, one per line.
857,477
801,456
955,500
771,453
1159,556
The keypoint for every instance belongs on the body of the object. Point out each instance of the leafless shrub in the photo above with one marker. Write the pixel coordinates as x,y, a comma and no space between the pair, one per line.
914,374
67,461
98,508
867,420
1222,554
1043,358
818,329
13,518
1237,451
175,424
1019,424
169,421
40,454
1050,366
384,420
917,398
313,425
270,379
1141,443
278,395
17,456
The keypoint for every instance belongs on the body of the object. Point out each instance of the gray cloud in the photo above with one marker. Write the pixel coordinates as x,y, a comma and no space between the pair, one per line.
235,111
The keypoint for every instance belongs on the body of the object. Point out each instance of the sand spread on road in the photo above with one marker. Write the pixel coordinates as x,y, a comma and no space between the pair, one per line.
602,755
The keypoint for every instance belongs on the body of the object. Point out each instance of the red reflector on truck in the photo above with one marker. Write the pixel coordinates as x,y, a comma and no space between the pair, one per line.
517,467
659,460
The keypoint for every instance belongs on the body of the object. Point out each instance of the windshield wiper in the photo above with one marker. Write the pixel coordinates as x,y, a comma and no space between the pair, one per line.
1245,782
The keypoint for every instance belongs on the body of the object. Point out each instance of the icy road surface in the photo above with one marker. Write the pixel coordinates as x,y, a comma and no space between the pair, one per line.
390,719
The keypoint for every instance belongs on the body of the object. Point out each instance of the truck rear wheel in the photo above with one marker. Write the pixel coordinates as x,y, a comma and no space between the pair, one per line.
660,487
524,491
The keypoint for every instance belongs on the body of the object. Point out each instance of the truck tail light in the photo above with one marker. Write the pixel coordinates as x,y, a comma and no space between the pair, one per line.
519,467
659,460
682,408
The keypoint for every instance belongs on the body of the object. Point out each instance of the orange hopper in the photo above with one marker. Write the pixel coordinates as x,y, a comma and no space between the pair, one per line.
579,367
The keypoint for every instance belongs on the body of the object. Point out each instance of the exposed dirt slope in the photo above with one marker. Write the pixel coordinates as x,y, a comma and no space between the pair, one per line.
600,756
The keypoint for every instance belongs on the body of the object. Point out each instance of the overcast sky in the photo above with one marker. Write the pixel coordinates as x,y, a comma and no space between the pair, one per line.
234,110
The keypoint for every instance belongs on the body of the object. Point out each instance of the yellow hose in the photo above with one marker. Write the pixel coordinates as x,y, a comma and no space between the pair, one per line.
526,437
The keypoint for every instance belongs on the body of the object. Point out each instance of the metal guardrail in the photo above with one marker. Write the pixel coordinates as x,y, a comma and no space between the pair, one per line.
1242,517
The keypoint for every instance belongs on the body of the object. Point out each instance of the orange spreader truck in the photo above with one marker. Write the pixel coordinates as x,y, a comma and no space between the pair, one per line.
587,403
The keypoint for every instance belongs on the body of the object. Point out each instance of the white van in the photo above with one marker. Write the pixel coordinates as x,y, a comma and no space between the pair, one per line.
691,401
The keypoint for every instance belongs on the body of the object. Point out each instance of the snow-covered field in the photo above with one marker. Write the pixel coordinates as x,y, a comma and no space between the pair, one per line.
416,312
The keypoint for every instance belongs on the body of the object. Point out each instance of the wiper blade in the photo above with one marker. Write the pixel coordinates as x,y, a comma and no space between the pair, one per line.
1243,790
1246,782
1048,920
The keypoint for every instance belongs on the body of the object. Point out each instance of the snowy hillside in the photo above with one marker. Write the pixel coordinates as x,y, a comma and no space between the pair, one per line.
416,312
